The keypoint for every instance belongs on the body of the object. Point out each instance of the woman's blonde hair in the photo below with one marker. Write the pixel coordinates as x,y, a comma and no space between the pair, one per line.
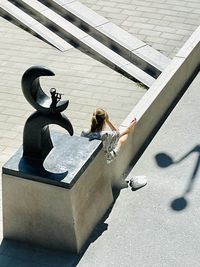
98,120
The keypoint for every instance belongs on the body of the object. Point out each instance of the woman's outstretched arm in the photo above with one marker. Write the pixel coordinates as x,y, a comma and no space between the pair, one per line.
129,128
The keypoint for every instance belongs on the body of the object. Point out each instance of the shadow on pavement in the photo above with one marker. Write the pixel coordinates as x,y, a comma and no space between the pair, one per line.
163,160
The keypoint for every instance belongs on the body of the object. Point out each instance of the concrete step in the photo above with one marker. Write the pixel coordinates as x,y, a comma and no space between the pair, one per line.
20,18
123,43
81,40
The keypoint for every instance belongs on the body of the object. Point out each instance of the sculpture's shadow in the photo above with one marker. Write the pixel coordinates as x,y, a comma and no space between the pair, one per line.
164,160
36,168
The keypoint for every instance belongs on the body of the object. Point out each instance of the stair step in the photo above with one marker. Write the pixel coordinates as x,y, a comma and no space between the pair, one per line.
117,62
134,49
80,39
10,11
123,43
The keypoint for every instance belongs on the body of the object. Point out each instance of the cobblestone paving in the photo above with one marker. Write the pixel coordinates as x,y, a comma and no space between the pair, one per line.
164,24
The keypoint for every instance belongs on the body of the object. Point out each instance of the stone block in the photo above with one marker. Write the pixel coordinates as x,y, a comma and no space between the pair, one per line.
63,2
51,37
113,32
153,57
34,4
59,205
63,24
139,74
84,13
17,13
110,56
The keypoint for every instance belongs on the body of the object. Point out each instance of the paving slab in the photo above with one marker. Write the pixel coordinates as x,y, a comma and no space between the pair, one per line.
27,21
85,13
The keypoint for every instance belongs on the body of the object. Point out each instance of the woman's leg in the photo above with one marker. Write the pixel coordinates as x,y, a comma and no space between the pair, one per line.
121,141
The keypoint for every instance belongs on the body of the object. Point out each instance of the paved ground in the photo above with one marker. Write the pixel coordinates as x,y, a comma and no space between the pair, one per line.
143,228
164,24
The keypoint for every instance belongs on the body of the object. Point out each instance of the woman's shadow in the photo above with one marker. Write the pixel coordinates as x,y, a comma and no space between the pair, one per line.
163,160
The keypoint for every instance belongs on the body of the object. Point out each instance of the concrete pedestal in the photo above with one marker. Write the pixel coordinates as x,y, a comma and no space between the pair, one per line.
58,205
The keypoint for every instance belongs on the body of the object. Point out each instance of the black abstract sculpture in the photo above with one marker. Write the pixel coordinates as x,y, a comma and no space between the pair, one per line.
36,137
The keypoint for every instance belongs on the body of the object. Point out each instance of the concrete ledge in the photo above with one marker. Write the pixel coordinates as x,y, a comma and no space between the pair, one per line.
158,99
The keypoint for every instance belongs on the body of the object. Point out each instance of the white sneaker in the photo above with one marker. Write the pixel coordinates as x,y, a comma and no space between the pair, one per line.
137,182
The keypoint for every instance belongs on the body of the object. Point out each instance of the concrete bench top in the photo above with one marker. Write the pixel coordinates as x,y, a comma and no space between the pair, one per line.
63,166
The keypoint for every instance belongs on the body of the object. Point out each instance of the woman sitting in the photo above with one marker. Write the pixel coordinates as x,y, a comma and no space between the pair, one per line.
112,140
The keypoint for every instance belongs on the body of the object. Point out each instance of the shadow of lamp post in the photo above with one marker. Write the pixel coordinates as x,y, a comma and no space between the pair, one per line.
163,160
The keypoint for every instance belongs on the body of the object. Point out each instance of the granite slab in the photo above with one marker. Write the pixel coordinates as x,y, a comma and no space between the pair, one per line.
84,13
63,166
152,56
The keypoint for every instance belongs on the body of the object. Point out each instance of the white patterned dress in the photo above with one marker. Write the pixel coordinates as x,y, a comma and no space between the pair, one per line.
109,139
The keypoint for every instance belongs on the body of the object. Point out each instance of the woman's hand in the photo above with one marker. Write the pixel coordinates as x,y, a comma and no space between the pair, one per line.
132,124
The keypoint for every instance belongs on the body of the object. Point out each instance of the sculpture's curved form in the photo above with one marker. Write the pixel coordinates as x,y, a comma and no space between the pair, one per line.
36,138
35,95
37,143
